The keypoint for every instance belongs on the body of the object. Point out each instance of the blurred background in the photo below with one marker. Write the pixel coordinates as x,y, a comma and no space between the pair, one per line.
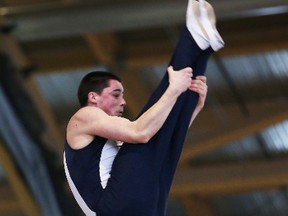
235,158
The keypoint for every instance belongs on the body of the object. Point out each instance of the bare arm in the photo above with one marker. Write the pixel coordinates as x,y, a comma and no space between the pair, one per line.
199,86
91,121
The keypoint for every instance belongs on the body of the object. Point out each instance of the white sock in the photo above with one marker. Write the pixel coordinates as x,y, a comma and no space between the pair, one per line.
215,39
193,25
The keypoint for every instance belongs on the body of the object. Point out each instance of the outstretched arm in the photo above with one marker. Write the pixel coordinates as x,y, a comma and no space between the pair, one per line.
199,86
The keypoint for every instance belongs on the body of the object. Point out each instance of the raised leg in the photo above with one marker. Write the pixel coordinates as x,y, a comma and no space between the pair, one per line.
141,175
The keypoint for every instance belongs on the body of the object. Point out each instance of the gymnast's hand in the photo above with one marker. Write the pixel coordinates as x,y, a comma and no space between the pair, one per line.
180,80
199,86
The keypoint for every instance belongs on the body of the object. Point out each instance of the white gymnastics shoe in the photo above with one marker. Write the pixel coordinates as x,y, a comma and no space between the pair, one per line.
201,23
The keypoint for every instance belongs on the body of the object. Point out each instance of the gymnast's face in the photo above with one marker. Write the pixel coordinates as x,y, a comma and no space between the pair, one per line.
111,100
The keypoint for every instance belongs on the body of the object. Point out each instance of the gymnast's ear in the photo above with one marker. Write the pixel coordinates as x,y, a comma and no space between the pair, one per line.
93,97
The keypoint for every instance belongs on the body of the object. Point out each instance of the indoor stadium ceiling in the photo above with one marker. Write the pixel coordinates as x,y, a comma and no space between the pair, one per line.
234,162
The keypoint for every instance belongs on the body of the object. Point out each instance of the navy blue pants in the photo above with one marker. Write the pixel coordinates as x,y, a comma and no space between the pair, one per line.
142,174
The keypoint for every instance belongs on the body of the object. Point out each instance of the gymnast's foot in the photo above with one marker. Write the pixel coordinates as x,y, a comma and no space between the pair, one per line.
201,22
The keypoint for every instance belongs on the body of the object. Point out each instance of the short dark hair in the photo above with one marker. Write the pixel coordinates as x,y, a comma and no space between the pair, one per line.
94,81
